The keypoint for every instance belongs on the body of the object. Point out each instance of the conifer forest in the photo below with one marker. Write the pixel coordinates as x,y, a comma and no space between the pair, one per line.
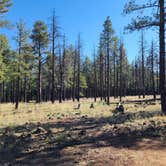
61,106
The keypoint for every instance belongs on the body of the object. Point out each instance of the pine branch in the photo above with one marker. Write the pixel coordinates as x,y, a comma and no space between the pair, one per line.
132,6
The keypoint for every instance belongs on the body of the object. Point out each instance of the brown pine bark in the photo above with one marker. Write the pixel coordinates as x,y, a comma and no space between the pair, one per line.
162,56
108,71
74,76
53,59
39,77
78,68
143,65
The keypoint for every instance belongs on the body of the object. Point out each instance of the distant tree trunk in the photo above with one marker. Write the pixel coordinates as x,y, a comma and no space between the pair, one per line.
139,82
120,88
53,79
108,71
78,68
61,78
136,79
95,78
162,55
17,95
115,90
143,67
17,92
21,91
39,77
152,71
63,71
13,91
157,82
64,92
105,78
50,89
101,76
28,90
25,89
53,58
117,77
74,76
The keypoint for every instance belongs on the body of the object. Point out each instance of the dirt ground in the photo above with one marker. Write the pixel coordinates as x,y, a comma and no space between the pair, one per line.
137,138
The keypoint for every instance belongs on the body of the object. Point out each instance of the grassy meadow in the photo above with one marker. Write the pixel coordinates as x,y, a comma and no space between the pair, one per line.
33,112
61,134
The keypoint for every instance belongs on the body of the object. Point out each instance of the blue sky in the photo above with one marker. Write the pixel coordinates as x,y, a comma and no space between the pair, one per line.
74,16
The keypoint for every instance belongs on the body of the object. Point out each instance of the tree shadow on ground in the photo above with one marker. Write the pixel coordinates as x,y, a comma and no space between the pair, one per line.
64,141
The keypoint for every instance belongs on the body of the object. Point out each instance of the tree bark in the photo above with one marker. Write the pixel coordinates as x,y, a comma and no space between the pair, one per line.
143,67
39,78
162,56
101,76
78,72
74,76
120,88
108,71
53,59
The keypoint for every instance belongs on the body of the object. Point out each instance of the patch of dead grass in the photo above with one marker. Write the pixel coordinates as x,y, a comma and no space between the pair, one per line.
32,112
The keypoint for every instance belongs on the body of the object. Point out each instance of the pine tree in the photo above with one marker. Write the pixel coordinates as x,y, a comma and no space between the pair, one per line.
101,68
4,8
53,35
40,42
95,75
21,39
109,38
74,75
78,67
148,21
152,58
143,63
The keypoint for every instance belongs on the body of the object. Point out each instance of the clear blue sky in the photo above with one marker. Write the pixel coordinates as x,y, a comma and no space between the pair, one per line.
74,16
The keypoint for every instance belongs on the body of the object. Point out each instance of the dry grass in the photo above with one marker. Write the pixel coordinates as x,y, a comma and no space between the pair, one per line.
83,136
32,112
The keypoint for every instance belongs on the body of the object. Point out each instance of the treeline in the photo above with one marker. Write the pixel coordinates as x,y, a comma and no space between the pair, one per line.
44,67
33,72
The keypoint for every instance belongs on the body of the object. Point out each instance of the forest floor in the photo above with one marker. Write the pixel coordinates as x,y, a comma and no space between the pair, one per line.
60,134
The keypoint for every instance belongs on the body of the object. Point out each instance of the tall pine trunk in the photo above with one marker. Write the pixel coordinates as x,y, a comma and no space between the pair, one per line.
143,67
17,95
78,68
152,71
53,59
61,78
74,76
162,56
120,88
17,92
25,89
101,76
39,78
108,72
95,78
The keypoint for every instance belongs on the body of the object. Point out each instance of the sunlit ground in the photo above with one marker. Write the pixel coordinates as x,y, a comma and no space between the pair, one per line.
32,112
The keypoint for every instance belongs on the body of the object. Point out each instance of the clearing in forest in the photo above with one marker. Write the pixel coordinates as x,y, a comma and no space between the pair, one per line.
55,134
